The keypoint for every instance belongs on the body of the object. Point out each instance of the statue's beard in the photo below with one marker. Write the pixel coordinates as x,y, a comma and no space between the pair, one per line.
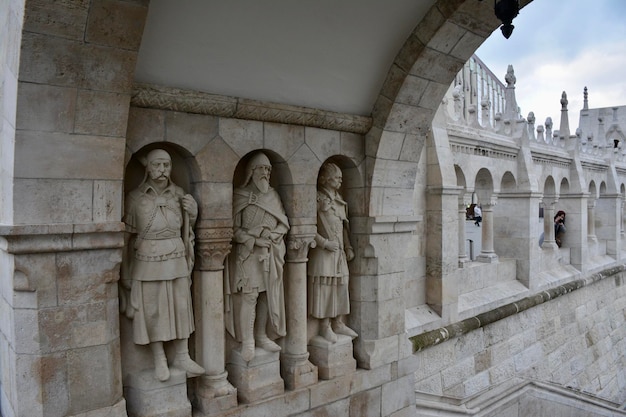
262,184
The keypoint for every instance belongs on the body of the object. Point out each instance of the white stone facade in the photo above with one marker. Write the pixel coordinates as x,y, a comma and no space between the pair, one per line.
429,318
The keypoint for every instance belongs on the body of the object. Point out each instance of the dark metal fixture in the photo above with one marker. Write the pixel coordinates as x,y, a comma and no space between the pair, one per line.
506,11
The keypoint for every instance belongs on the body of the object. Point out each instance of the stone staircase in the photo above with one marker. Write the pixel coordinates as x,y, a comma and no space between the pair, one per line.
520,398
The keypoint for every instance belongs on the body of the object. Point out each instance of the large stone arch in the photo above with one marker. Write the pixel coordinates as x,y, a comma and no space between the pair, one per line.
73,83
417,81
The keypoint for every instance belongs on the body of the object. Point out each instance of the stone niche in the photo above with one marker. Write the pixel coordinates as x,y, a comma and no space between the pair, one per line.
239,222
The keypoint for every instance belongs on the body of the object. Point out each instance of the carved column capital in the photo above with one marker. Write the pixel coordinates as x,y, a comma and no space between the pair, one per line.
212,246
489,204
298,247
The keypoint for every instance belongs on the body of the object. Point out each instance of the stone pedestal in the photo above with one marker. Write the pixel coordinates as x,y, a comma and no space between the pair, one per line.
332,359
297,371
258,379
146,396
214,394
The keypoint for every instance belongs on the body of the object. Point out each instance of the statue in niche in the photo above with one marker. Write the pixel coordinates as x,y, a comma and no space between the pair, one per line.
255,270
159,217
328,273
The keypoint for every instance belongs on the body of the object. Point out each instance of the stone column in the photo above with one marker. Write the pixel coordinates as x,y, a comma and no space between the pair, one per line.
591,221
621,219
213,391
549,241
296,370
487,252
463,258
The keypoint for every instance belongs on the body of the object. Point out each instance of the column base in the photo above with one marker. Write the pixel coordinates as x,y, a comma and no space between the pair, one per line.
214,394
146,396
487,258
297,371
463,262
332,359
258,379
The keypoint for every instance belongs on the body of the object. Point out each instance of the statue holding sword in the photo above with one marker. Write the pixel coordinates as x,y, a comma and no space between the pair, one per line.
254,284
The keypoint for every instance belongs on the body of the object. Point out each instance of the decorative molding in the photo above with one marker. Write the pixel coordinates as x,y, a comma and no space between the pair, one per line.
175,99
211,256
212,247
298,247
594,167
551,161
24,239
214,234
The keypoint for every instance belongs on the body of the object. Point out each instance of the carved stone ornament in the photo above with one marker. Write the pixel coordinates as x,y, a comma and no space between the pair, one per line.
165,98
254,277
327,270
213,245
156,276
298,247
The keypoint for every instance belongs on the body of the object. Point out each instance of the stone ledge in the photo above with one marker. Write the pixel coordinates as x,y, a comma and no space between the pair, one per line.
168,98
440,335
22,239
386,224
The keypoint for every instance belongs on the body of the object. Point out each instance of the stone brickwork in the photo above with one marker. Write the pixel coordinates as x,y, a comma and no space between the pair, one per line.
75,124
576,341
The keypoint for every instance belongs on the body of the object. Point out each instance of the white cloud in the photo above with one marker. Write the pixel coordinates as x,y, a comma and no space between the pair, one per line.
556,48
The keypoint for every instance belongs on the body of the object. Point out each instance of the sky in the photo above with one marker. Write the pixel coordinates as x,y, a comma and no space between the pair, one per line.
563,45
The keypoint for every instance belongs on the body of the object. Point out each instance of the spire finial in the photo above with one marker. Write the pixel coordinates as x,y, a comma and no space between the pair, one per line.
564,101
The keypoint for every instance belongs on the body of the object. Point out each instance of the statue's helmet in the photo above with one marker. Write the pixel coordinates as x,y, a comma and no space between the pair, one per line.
258,160
328,170
153,155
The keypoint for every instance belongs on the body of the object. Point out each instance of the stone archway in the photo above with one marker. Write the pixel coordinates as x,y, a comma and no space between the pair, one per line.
417,81
71,88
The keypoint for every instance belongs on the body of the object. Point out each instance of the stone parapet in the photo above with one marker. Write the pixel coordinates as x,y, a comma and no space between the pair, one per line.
437,336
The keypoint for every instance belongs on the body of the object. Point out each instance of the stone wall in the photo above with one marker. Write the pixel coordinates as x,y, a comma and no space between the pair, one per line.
576,340
209,155
11,18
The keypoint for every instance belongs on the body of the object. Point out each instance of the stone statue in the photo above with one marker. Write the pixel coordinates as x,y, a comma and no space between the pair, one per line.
255,267
328,273
510,76
159,217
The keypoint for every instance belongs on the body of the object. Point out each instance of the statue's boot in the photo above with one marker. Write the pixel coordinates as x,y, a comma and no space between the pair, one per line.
183,361
326,331
247,319
161,371
340,327
260,326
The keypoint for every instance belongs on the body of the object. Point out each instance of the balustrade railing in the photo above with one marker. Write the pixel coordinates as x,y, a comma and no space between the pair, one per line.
479,100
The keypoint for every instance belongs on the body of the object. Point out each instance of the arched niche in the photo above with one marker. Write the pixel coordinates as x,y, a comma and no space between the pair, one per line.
508,182
184,168
280,177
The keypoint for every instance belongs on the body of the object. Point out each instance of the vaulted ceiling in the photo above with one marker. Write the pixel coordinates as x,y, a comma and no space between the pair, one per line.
326,54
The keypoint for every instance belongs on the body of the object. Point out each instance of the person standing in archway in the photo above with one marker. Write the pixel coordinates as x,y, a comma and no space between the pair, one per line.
559,227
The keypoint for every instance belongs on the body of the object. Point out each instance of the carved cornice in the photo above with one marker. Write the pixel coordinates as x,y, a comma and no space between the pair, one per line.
212,247
298,247
166,98
24,239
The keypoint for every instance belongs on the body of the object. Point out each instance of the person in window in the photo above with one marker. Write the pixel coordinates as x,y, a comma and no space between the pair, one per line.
478,215
559,227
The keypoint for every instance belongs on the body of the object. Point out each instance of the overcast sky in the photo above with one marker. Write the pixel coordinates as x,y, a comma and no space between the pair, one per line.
561,46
